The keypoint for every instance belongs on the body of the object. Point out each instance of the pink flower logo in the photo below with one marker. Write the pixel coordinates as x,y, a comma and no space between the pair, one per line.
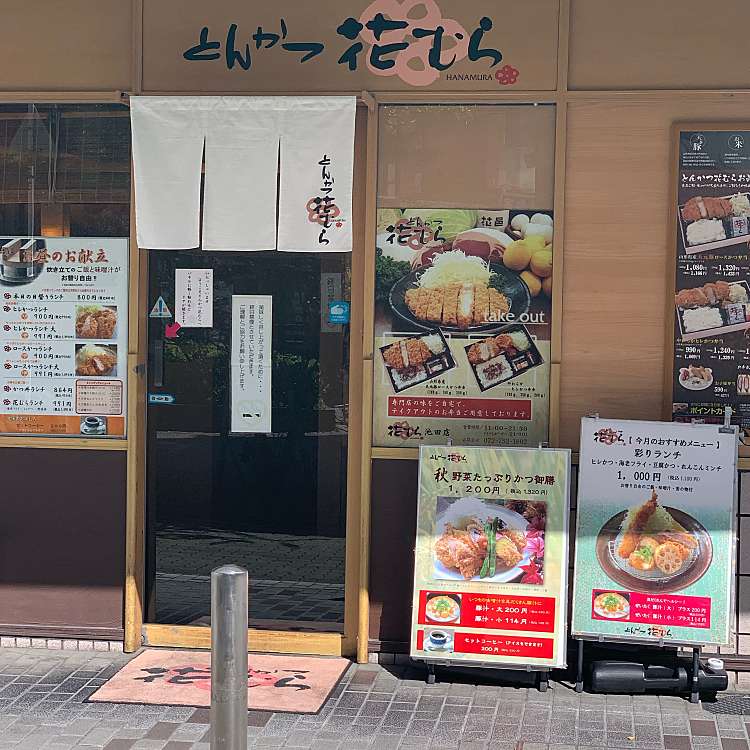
507,75
412,64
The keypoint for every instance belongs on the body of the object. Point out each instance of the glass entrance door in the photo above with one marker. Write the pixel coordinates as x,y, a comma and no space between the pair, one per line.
274,503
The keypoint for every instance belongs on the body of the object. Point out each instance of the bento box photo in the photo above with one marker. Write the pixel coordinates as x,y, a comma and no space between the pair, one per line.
711,223
713,309
498,359
412,360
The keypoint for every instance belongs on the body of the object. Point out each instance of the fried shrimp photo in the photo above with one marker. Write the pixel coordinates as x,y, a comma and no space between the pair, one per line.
634,529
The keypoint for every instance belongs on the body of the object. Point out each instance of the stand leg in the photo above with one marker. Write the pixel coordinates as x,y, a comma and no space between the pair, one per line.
430,673
694,691
579,672
543,681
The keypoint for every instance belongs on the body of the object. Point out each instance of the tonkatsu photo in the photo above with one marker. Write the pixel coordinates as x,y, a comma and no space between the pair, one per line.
96,322
93,360
458,292
713,309
652,547
709,223
497,359
415,359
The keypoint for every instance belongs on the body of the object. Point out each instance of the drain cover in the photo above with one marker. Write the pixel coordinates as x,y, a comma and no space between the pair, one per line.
738,705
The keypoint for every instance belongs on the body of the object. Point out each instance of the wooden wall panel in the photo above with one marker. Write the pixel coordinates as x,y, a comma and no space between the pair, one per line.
71,45
62,542
394,528
642,44
616,252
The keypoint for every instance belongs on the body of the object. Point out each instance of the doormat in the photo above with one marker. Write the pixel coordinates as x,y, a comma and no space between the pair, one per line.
276,682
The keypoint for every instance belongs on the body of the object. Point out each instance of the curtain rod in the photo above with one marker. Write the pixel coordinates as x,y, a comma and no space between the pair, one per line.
364,98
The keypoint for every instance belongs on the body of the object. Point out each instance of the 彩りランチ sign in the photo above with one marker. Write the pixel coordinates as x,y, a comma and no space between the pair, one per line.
654,544
491,556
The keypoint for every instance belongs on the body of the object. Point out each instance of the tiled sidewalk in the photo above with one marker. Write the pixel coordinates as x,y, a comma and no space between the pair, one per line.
42,696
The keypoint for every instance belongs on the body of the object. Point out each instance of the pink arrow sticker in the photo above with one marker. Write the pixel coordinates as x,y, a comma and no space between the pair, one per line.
171,330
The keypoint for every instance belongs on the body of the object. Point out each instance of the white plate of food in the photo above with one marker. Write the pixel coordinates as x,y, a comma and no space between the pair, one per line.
611,606
461,542
442,608
696,378
654,548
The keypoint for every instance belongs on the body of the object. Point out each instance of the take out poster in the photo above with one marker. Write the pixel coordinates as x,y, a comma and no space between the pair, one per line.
655,537
462,326
491,565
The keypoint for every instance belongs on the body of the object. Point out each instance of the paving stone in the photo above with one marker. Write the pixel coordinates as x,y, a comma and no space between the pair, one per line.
702,728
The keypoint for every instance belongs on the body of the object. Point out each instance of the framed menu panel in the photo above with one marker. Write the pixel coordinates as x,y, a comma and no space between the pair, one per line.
462,327
490,575
64,336
711,194
654,555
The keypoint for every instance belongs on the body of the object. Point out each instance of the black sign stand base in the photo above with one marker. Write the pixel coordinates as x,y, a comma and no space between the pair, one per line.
579,671
632,677
541,675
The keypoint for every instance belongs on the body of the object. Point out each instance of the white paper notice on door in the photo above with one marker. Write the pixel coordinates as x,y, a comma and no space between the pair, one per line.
251,362
194,297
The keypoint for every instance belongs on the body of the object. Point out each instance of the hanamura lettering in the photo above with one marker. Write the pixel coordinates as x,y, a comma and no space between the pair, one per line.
383,43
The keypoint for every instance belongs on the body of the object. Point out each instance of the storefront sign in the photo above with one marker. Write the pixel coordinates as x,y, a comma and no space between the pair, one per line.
251,362
655,538
64,336
333,46
712,279
491,556
462,327
194,297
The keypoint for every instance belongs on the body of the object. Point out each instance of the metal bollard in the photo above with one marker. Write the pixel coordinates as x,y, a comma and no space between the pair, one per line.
229,658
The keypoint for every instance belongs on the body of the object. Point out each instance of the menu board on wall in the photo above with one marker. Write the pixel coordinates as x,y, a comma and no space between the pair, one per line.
64,318
490,575
251,362
655,538
462,327
712,278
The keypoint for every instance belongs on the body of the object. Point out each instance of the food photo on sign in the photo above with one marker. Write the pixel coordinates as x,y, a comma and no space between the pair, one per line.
491,556
494,541
655,532
462,325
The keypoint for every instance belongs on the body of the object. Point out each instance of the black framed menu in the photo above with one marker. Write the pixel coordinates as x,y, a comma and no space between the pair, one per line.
711,213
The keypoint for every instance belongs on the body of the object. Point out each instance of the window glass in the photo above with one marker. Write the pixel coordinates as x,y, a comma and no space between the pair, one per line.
65,170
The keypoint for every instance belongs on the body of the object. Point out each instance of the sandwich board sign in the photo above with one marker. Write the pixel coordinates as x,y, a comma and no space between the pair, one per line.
490,578
654,557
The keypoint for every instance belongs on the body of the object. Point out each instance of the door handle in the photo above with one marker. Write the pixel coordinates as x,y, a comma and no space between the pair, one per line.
159,363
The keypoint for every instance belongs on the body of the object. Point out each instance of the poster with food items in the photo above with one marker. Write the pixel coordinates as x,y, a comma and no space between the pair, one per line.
712,278
64,336
491,564
462,327
655,532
